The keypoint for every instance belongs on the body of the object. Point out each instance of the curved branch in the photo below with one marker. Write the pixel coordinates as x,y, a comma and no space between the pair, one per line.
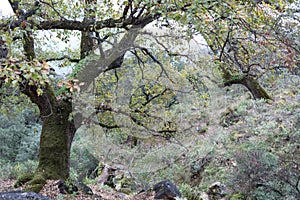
95,65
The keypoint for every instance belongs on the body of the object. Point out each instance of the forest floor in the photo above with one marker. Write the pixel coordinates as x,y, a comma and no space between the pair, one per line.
51,190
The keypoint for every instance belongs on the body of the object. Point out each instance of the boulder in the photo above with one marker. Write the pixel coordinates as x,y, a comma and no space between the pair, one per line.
166,190
20,195
70,188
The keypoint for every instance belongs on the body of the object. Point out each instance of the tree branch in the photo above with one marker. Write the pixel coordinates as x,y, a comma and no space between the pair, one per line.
75,24
76,60
95,65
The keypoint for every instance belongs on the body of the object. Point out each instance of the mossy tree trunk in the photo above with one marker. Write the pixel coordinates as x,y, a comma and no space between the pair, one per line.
55,142
257,91
58,130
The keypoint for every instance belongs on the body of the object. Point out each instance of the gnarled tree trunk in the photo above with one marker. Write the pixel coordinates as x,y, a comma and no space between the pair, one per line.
55,142
58,130
257,91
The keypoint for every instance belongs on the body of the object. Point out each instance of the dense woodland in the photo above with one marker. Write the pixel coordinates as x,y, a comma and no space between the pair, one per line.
124,94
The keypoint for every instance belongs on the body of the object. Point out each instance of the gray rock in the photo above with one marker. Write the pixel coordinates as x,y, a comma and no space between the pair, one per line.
19,195
66,188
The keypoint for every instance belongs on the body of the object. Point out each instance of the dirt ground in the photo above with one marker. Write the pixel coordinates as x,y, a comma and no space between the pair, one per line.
51,190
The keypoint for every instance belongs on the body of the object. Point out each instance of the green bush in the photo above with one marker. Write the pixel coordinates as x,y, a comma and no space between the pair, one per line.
19,136
189,192
262,174
254,166
13,170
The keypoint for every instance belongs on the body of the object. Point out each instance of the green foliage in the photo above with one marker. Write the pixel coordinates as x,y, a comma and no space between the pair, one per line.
254,165
265,163
164,102
237,197
19,136
19,132
9,170
188,192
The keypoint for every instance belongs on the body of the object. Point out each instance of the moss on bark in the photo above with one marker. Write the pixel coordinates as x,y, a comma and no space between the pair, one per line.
257,91
55,143
23,179
53,148
36,184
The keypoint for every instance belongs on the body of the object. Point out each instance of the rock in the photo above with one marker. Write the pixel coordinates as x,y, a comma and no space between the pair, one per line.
122,195
166,190
86,189
19,195
70,188
217,190
65,188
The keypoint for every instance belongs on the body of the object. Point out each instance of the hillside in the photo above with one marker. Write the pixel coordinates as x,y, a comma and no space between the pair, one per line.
250,146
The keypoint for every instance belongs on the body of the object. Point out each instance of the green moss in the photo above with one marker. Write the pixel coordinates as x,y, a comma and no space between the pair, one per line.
126,191
237,197
38,179
36,184
23,179
34,188
54,152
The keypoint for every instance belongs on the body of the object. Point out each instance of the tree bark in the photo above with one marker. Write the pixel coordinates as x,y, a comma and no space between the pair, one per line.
58,130
257,91
55,142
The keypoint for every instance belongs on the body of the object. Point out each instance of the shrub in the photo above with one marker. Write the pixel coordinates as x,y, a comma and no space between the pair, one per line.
19,136
262,174
13,170
189,192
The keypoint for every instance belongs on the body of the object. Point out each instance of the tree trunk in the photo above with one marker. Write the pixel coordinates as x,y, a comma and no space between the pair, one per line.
56,138
55,143
257,91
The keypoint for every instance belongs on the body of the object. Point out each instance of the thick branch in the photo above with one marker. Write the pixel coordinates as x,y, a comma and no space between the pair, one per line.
78,25
22,16
95,65
251,84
